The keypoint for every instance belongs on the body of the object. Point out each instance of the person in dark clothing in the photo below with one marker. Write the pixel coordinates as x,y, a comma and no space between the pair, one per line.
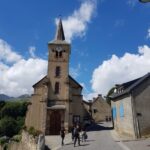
76,135
72,132
62,134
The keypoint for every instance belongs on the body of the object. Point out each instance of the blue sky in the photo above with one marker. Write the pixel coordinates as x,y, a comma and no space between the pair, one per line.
110,42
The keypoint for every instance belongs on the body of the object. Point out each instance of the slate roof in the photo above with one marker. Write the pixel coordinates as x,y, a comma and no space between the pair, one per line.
60,32
97,98
45,80
42,81
70,78
86,102
127,87
60,36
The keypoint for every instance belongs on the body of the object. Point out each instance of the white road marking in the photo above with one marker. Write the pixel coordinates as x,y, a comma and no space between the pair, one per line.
123,146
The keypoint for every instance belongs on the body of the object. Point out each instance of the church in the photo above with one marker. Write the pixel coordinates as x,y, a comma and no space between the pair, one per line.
57,98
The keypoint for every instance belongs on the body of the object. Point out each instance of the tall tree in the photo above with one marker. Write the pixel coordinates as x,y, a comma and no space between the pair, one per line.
110,92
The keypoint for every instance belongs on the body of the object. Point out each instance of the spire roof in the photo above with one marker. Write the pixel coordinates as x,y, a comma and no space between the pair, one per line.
60,32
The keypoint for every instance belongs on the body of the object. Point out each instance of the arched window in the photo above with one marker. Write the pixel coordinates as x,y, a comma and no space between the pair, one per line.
57,71
57,54
57,87
60,54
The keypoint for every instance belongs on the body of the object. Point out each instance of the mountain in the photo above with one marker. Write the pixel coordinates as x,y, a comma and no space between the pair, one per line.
4,97
24,96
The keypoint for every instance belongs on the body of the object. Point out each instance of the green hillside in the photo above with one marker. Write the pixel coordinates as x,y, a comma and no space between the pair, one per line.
12,117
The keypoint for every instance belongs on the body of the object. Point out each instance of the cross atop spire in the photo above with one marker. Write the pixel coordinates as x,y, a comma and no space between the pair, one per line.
60,32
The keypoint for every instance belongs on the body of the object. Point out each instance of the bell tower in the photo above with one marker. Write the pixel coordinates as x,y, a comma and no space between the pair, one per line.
57,98
58,66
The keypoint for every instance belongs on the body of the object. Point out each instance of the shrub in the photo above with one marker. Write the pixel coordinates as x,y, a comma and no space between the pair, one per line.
16,138
8,127
4,140
6,146
12,117
14,109
2,104
20,122
33,131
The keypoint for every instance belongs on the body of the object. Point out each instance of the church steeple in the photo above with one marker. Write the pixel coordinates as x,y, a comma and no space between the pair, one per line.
60,32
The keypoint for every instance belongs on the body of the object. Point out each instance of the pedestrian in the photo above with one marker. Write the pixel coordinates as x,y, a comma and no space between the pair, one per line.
84,136
72,132
62,134
76,135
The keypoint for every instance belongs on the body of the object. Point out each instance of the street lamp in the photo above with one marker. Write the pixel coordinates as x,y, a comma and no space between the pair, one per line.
144,1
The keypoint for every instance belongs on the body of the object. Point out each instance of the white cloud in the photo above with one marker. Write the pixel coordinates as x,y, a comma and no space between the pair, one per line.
76,24
148,34
7,54
18,77
87,96
32,51
90,96
74,72
120,69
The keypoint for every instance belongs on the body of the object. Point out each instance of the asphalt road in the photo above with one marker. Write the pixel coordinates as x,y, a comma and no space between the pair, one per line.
99,138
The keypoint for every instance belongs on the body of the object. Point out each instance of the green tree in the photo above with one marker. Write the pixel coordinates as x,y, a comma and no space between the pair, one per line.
12,117
14,109
2,104
108,99
8,127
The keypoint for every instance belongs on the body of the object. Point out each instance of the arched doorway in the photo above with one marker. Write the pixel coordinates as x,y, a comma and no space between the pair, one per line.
55,123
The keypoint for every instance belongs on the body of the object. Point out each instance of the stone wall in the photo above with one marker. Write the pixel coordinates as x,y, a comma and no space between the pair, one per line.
142,108
123,121
1,147
36,114
76,107
100,109
28,143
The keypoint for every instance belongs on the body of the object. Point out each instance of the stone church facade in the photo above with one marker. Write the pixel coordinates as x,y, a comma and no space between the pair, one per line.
57,98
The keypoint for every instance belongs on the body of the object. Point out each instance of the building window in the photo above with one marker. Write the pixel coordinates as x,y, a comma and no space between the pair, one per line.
76,119
57,71
60,54
121,110
57,54
114,112
57,88
94,110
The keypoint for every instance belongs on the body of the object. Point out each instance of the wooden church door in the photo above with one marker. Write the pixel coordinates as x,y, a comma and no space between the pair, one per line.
55,123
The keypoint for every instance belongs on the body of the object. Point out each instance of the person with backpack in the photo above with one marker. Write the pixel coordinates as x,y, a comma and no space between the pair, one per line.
76,135
84,136
62,134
